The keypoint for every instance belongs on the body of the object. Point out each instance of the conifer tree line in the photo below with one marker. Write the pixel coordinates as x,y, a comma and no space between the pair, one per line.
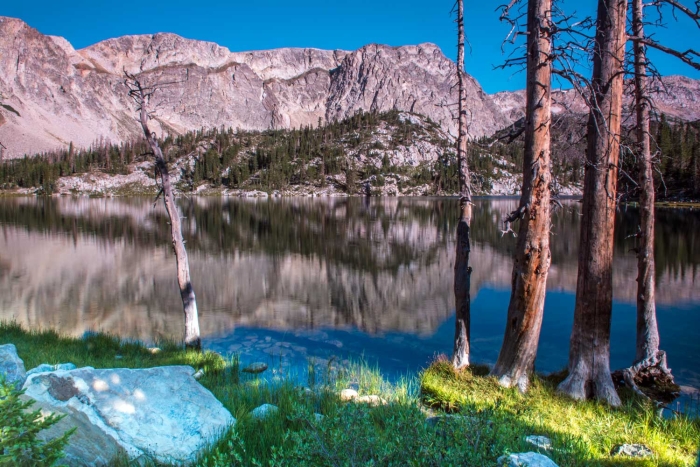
276,159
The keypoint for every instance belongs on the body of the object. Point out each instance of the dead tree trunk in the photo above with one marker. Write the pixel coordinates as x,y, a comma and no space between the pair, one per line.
647,329
650,361
141,96
462,277
589,353
532,255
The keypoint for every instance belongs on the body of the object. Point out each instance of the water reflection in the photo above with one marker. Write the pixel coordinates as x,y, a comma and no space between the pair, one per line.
295,277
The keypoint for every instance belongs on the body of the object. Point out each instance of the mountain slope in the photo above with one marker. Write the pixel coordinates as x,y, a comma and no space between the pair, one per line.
61,95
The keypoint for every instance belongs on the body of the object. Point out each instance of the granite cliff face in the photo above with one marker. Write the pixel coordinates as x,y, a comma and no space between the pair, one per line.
676,96
53,95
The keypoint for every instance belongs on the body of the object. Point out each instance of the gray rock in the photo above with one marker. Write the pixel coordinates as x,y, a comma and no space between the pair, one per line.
525,459
161,414
11,366
541,442
318,417
255,368
348,395
264,411
45,367
632,450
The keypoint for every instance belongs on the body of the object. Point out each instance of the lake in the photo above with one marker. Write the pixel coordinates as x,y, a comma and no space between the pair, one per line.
287,280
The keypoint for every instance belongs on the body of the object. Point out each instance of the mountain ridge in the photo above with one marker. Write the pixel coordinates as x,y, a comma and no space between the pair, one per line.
54,95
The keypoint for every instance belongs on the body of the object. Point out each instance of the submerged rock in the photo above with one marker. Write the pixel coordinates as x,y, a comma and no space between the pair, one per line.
11,366
632,450
264,411
541,442
255,368
526,459
157,414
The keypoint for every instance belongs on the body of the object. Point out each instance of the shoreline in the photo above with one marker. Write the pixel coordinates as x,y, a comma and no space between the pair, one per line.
429,412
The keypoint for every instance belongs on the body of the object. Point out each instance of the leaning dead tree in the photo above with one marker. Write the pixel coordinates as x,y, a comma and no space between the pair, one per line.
532,255
141,94
462,271
589,353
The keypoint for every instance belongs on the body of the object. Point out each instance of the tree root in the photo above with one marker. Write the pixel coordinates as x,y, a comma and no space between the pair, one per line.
651,379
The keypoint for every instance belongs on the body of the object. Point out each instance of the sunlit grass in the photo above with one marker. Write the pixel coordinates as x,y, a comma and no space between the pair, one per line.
583,433
494,422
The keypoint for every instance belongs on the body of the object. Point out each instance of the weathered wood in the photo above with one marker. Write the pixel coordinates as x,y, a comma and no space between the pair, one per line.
589,357
462,271
647,328
189,302
532,256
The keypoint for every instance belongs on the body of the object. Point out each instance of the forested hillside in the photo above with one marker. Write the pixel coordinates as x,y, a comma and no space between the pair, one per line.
369,153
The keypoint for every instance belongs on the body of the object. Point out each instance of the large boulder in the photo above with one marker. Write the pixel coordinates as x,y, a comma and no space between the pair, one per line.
162,414
11,366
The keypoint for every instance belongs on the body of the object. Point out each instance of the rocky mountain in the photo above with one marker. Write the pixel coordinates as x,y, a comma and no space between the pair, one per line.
676,96
53,95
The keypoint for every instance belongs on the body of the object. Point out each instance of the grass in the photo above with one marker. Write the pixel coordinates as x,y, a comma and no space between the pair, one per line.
582,433
494,422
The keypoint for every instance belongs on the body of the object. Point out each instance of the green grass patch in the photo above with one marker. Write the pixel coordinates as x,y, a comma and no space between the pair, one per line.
488,421
582,433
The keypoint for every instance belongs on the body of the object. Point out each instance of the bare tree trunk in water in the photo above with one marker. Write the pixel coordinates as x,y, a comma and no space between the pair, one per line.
532,255
462,279
589,354
141,96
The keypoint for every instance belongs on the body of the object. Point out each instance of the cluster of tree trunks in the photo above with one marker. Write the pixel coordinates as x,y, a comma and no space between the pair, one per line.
589,373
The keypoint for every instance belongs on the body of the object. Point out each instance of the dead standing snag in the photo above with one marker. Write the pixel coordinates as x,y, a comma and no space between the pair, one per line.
141,95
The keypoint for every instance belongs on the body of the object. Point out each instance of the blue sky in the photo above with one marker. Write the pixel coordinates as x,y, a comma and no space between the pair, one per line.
329,24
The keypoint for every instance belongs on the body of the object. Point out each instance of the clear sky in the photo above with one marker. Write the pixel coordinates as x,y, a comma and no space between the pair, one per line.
326,24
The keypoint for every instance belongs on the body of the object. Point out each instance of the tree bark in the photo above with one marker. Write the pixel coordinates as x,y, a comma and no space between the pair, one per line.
189,302
462,271
532,255
647,328
589,353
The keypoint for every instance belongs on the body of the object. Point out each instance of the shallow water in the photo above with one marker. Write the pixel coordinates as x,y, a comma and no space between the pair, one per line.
291,279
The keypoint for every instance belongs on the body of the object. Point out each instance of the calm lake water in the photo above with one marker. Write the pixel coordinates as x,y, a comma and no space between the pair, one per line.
286,280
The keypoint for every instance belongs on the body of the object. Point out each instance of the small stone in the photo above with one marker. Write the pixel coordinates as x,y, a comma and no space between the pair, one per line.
11,366
541,442
199,374
525,459
306,391
154,350
372,400
64,367
255,368
632,450
264,411
348,395
45,368
318,417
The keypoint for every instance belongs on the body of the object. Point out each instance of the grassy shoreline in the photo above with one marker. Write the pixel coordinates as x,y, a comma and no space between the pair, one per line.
486,422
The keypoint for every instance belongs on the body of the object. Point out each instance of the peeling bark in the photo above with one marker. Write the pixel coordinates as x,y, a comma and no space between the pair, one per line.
532,256
462,271
589,354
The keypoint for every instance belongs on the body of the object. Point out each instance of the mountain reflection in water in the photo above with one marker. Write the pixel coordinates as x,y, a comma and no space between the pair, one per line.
320,277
